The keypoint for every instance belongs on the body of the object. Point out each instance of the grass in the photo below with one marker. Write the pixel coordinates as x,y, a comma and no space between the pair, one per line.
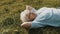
10,14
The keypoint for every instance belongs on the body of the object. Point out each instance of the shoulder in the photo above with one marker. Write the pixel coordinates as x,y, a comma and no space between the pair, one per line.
41,10
43,16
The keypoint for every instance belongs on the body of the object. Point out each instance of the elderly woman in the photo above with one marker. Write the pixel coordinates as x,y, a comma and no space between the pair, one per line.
43,17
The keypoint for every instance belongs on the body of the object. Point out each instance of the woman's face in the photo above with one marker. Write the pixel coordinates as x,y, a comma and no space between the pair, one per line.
31,16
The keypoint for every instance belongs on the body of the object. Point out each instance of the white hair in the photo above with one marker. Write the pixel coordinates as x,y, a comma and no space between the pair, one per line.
23,16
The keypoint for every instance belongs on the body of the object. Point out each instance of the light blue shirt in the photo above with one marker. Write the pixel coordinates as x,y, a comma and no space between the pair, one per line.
47,16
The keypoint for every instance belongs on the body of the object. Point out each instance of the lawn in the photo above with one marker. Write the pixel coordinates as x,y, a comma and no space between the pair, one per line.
10,15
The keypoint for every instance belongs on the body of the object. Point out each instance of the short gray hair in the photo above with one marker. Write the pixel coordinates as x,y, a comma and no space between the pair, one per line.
23,16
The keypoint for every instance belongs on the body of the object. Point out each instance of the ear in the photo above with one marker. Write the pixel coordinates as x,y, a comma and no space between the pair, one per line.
28,7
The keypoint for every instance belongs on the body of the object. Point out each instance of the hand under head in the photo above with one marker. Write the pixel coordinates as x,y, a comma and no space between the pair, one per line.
26,25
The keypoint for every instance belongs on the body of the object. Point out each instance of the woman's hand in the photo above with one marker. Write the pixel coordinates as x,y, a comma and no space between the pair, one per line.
26,25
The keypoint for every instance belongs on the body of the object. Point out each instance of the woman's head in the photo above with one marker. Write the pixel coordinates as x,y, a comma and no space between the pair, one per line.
28,14
31,16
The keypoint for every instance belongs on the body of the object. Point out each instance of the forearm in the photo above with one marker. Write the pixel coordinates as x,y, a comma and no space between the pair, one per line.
36,25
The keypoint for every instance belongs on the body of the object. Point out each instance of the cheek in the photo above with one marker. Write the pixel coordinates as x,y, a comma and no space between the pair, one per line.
32,16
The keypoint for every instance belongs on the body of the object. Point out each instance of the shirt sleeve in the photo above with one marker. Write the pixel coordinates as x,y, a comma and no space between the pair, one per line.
40,19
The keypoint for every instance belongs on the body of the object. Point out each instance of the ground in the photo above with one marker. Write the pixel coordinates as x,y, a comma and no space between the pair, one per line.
10,15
